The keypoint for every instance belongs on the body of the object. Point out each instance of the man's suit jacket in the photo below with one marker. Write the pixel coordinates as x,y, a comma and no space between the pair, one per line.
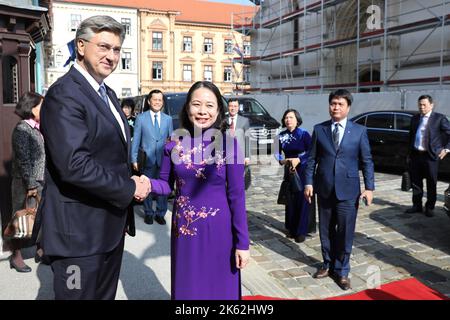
438,133
85,204
339,170
241,128
146,137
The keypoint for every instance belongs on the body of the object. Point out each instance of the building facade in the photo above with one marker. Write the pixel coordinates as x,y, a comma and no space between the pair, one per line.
67,17
175,54
364,45
175,43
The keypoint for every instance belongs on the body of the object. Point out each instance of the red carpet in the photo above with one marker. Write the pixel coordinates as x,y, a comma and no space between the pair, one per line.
408,289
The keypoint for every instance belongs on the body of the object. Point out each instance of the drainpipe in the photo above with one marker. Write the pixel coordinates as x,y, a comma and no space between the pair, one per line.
39,67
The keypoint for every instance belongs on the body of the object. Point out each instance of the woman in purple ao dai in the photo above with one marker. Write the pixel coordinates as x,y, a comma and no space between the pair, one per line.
209,240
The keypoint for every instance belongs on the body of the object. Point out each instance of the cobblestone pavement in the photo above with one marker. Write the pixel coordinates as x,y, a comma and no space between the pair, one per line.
389,244
396,244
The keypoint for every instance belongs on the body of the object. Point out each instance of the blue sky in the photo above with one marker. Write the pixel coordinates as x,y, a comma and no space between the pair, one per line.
245,2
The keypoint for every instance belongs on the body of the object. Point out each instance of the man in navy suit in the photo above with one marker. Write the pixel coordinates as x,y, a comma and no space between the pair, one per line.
338,147
152,129
428,143
85,208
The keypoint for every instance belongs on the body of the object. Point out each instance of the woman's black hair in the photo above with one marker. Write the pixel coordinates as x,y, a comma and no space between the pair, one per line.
26,103
128,102
221,122
296,114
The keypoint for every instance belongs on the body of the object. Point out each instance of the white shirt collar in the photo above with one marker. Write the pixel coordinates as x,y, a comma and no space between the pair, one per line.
94,84
342,123
427,115
152,113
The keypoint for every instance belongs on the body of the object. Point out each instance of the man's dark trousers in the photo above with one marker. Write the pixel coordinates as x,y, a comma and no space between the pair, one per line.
87,278
423,167
337,221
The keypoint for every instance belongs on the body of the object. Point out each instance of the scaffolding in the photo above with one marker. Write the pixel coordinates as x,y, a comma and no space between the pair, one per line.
362,45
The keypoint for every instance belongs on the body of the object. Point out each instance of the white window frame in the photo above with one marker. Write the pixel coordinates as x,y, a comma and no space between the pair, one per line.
187,72
157,41
125,60
75,20
187,44
228,46
208,73
208,45
246,74
126,92
247,48
227,74
157,70
126,22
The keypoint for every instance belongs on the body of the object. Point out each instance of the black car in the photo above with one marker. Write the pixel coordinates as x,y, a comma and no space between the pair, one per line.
263,127
388,133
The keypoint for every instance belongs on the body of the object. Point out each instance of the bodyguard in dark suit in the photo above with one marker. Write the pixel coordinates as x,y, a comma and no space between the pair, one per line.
338,147
428,143
85,212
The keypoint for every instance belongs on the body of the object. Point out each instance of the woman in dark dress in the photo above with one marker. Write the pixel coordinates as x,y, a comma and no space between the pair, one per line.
28,165
209,241
294,142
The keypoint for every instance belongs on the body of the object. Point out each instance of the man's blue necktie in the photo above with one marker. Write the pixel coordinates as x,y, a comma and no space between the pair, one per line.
156,123
419,134
103,94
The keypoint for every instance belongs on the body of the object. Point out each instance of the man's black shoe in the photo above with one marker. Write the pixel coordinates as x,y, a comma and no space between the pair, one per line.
160,220
344,283
429,212
148,219
413,210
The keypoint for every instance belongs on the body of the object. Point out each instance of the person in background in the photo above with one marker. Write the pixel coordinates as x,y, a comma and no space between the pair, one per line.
28,166
294,142
210,241
429,142
152,130
127,106
338,148
239,126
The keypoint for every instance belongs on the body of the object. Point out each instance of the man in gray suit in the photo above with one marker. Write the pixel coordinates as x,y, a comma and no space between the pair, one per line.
151,131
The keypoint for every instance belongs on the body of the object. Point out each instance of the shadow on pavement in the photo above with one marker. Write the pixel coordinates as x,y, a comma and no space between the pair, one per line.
139,281
428,274
430,231
261,234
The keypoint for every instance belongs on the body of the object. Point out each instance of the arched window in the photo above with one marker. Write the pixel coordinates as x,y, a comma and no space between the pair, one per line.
10,80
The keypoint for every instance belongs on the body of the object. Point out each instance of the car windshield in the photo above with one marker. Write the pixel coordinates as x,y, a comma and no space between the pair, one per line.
174,104
251,107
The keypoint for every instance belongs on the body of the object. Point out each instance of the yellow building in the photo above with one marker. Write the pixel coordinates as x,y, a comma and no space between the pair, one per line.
186,41
183,41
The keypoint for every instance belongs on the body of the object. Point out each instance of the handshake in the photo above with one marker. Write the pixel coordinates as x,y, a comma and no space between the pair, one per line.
143,187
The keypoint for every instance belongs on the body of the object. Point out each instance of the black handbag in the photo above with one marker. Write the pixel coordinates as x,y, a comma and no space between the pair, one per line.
295,182
284,193
247,177
406,181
